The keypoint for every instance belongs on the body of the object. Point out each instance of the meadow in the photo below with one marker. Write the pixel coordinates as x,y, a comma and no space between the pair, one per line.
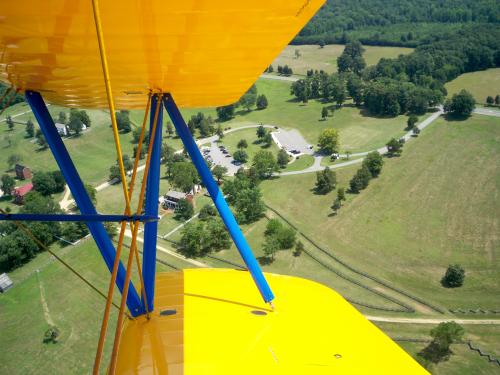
314,57
480,84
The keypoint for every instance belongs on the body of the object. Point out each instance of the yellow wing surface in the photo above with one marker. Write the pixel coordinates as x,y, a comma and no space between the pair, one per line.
205,53
213,321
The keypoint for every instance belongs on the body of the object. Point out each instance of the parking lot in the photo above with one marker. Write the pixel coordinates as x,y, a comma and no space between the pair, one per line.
292,142
218,157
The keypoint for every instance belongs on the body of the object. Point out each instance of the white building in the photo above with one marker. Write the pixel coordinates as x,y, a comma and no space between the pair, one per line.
62,129
5,282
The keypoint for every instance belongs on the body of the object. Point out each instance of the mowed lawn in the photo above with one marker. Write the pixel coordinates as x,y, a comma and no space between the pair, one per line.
480,84
93,151
463,361
435,205
314,57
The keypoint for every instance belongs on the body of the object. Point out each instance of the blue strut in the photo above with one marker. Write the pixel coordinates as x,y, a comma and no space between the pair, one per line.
218,198
151,209
82,199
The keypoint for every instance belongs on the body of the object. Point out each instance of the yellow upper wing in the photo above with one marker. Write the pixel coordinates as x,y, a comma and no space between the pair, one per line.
205,53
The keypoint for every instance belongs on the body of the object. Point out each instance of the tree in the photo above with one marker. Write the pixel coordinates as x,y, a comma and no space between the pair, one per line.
454,276
193,240
114,173
355,89
297,53
336,205
270,247
220,132
242,143
75,124
92,193
110,229
374,163
127,163
270,69
351,59
461,105
123,121
240,156
299,248
394,147
184,176
40,139
282,158
30,129
360,180
328,141
265,164
262,102
248,100
10,122
61,119
244,195
225,113
416,131
217,234
261,132
43,183
324,113
13,160
497,100
219,171
325,181
443,335
184,209
170,129
412,121
207,211
341,194
490,100
267,141
8,184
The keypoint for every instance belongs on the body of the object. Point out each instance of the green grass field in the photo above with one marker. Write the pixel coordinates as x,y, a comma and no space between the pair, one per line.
435,205
480,84
314,57
93,151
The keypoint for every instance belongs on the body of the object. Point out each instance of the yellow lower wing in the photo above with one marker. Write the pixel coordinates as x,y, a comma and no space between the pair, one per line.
213,321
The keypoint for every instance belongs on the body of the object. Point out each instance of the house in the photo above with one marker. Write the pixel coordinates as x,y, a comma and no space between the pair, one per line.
172,198
20,192
5,282
22,172
62,129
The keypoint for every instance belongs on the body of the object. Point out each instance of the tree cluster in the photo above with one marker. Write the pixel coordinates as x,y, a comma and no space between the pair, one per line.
204,124
285,70
47,183
244,195
326,180
277,237
443,336
203,237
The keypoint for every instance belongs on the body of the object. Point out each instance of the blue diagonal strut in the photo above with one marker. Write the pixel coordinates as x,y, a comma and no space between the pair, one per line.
151,209
78,191
218,198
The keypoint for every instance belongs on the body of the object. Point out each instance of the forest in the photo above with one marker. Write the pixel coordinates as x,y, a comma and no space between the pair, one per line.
392,22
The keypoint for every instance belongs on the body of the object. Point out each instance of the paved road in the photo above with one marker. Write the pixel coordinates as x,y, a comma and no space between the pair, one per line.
279,78
487,111
431,321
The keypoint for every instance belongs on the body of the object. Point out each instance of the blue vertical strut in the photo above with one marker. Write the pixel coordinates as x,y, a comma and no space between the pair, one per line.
218,198
152,194
82,199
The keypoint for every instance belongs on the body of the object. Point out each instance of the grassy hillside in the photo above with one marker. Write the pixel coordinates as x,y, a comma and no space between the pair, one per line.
435,205
313,57
480,84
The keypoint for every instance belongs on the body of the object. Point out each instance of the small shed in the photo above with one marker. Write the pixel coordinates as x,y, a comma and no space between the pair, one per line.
22,172
62,129
20,192
5,282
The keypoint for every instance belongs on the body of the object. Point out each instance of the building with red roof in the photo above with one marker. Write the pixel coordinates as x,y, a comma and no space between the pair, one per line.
20,192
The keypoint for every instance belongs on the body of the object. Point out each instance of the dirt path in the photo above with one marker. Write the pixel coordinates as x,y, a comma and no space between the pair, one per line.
431,321
45,307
